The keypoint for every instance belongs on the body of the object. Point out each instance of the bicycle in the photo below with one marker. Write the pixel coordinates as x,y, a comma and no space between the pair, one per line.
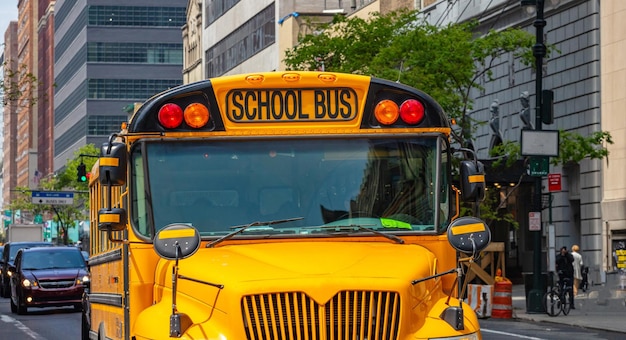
558,298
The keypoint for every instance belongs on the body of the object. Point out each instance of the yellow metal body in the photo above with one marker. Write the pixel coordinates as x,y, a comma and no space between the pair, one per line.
281,288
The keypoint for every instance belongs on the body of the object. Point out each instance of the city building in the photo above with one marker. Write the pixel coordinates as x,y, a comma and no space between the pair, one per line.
251,36
192,43
109,55
27,106
589,208
612,101
9,141
45,90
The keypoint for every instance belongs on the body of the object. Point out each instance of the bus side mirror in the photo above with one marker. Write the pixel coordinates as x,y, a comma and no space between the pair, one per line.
113,163
176,241
472,181
469,235
113,219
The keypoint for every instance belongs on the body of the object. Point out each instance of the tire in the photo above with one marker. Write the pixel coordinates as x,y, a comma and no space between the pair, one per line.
13,306
84,328
552,303
567,297
21,307
5,290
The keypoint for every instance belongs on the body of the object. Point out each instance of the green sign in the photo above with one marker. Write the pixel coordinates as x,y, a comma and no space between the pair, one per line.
538,166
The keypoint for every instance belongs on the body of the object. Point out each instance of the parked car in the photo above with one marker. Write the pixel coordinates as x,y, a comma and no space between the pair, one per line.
6,259
48,277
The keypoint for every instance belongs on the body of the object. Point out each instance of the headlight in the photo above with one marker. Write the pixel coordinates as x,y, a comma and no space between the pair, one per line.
83,280
28,283
473,336
10,273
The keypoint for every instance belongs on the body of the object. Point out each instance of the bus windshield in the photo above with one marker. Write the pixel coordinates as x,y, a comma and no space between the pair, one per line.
382,183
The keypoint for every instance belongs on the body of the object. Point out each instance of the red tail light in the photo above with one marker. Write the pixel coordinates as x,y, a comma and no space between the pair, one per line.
412,111
170,116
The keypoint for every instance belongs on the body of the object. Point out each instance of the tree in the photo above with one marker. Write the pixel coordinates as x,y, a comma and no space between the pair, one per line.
573,148
446,62
19,84
64,215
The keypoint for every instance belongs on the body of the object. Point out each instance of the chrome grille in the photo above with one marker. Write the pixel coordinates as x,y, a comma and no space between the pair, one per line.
56,284
354,315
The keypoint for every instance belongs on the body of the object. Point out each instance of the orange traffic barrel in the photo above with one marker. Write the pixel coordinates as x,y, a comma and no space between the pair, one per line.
502,307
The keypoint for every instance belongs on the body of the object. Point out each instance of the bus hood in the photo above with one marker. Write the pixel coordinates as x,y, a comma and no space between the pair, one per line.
320,269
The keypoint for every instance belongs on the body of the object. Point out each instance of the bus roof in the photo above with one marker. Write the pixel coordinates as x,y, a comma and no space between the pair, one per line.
291,102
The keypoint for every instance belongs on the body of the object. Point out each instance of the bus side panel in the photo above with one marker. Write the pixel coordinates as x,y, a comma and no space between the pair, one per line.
142,266
106,265
106,294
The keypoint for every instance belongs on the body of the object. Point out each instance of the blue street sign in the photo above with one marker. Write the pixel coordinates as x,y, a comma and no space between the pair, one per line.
52,197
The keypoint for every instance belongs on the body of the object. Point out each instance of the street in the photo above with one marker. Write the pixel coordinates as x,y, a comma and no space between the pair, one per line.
39,323
64,323
499,329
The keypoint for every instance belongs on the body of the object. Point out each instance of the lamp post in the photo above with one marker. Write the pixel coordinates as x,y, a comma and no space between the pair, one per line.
535,295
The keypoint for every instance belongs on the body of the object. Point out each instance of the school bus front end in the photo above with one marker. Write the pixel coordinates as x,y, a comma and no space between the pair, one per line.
298,205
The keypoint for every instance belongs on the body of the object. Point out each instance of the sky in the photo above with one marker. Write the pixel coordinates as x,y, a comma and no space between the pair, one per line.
8,12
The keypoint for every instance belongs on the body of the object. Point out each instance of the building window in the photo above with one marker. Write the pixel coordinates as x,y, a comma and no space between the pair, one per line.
246,41
137,16
104,125
214,9
114,52
129,89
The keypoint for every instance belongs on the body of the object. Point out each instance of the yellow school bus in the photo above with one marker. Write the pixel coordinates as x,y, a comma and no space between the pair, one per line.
282,205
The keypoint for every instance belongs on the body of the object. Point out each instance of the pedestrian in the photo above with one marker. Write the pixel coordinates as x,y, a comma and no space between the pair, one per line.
565,268
578,265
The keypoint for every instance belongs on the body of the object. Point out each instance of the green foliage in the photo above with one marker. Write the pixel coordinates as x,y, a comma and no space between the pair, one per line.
19,86
64,215
506,153
446,62
573,148
493,208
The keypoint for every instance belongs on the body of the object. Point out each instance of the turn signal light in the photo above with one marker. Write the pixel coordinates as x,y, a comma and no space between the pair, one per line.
196,115
386,112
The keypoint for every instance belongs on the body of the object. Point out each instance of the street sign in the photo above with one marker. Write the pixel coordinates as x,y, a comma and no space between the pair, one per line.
534,221
554,182
52,197
538,166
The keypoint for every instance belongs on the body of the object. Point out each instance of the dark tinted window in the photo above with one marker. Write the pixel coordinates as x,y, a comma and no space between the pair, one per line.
52,259
14,248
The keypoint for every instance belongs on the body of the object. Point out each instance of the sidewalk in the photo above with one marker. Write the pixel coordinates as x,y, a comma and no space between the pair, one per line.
598,308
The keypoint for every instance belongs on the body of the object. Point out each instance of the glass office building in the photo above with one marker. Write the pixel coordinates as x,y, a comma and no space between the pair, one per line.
109,55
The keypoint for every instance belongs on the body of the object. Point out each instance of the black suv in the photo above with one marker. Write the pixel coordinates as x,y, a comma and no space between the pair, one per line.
8,256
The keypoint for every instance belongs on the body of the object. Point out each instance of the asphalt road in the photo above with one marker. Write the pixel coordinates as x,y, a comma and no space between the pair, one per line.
64,323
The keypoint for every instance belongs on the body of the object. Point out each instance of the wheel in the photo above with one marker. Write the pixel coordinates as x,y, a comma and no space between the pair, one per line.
5,289
20,306
566,305
85,327
552,303
13,306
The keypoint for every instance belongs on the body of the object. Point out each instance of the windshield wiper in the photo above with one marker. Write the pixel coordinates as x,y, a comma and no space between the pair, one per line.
360,227
241,228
